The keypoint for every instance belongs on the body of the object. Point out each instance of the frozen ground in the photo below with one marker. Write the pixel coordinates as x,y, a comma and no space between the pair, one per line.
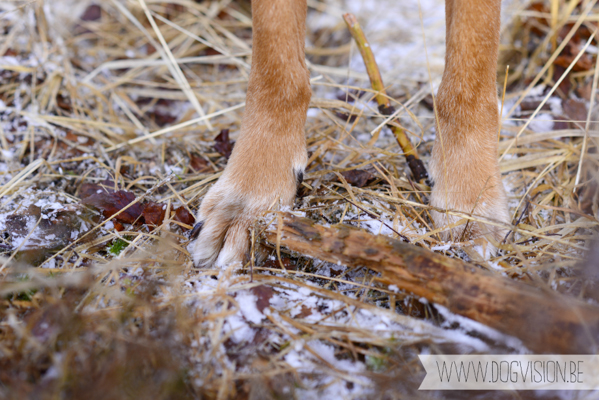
335,330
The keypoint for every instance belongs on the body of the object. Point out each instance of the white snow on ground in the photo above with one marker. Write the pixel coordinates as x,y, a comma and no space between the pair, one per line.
324,374
402,34
40,221
394,31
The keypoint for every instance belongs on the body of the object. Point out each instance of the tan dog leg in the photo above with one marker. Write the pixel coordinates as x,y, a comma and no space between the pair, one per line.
270,155
464,161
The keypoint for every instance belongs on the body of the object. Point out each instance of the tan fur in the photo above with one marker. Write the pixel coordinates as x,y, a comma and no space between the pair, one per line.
464,160
271,150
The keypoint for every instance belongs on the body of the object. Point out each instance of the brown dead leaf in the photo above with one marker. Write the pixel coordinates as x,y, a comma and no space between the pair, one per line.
161,114
198,164
537,24
304,312
110,203
565,87
358,177
184,216
154,213
223,144
118,226
211,52
288,263
584,63
263,295
64,103
560,125
92,13
585,90
575,109
89,189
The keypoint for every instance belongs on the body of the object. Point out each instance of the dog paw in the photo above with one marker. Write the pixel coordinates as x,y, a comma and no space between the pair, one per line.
470,183
258,177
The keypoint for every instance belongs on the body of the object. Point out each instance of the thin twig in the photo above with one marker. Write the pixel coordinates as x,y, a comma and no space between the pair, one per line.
376,81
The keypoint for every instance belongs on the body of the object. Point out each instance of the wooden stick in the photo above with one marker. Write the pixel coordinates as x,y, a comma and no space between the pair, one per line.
414,162
545,322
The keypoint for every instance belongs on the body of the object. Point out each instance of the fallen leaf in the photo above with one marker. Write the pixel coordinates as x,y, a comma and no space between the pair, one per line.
212,52
92,13
161,113
263,295
64,103
118,226
575,109
585,91
223,144
153,214
358,177
88,189
560,125
198,164
287,263
536,23
532,105
184,216
304,312
565,87
584,63
111,203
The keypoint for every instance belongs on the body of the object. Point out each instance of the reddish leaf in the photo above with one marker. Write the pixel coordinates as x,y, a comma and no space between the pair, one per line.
118,226
560,125
584,63
88,189
575,109
184,216
212,52
223,144
532,105
287,263
263,295
153,214
304,312
111,203
150,49
198,164
538,7
358,177
566,85
585,91
92,13
64,103
161,114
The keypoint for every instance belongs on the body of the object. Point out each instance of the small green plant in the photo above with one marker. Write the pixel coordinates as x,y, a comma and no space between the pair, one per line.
375,363
26,295
118,246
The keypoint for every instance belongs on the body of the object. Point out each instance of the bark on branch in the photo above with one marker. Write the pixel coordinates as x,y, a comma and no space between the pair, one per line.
546,322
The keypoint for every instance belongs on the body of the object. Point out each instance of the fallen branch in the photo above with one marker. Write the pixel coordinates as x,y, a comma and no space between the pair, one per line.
546,322
376,81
